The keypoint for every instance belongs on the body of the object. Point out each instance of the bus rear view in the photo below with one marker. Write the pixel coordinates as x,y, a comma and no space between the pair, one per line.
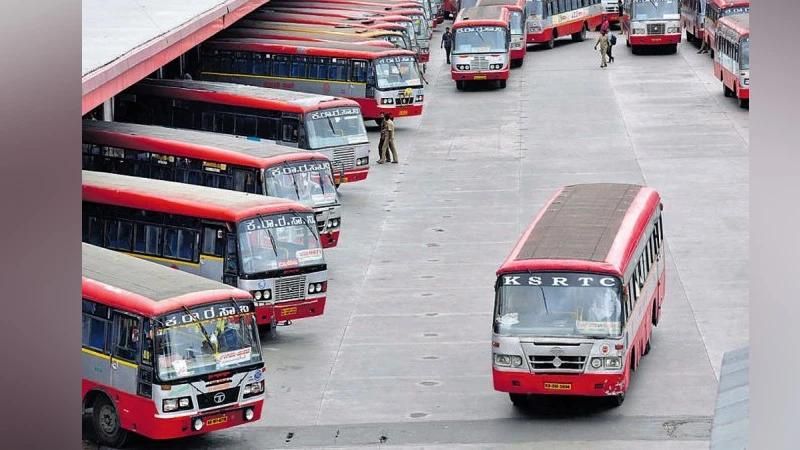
577,298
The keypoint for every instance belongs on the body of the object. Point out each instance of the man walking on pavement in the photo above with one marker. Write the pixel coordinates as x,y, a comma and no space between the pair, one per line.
447,42
388,143
603,43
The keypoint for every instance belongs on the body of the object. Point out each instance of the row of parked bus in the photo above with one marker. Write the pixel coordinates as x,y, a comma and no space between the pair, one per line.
723,27
225,165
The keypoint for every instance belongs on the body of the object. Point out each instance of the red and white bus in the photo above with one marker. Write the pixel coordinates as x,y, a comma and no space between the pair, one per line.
716,10
732,59
217,160
379,79
336,24
317,33
549,20
450,9
164,354
693,17
421,24
265,245
648,23
292,119
481,46
518,18
577,298
611,11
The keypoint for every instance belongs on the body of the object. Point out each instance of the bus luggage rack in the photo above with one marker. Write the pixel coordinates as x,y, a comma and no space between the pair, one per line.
655,28
290,288
564,364
345,157
218,398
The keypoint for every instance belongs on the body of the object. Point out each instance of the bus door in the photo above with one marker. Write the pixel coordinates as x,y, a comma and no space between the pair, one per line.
124,353
290,130
230,272
212,251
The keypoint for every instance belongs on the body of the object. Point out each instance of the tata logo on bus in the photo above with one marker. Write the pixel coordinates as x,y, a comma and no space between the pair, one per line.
338,112
560,280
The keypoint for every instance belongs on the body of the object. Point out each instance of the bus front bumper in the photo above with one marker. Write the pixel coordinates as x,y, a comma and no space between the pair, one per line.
518,53
480,76
264,314
300,309
352,175
178,427
612,17
589,384
661,39
371,111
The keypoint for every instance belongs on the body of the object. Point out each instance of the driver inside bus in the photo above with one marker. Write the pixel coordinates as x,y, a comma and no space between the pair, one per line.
603,309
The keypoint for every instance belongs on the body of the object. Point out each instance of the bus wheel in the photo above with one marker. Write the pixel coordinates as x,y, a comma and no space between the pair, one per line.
634,49
647,346
690,37
617,400
673,48
581,35
502,84
744,103
518,399
552,42
727,92
106,423
459,85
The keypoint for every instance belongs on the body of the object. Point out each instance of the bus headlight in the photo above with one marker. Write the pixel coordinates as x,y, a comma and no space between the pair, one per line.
264,295
387,101
253,389
197,424
362,161
507,360
673,30
462,66
249,414
637,31
316,288
495,66
613,362
257,295
176,404
419,98
596,363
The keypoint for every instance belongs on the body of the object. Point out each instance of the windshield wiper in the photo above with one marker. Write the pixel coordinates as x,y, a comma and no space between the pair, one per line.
202,328
544,299
306,224
272,241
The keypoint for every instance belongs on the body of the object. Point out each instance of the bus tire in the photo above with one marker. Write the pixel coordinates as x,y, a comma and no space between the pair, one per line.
460,85
647,346
744,103
105,421
673,48
581,35
518,399
502,84
634,49
552,42
725,91
617,400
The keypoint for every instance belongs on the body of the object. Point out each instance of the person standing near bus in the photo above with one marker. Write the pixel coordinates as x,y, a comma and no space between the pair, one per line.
447,42
605,25
603,43
612,41
381,156
388,143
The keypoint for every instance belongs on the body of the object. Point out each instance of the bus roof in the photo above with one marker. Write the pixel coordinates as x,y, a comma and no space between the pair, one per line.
323,29
240,95
482,15
380,9
305,36
342,49
511,4
585,227
722,4
182,199
284,17
340,14
143,287
217,147
740,23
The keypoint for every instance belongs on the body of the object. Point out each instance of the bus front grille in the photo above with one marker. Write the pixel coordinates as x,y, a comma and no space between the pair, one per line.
479,63
344,158
290,288
564,363
218,398
655,28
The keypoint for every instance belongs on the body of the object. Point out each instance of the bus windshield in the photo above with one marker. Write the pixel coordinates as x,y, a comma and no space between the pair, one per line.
516,22
395,72
199,347
397,40
535,8
279,241
744,57
734,10
307,182
335,127
480,40
655,10
420,26
559,304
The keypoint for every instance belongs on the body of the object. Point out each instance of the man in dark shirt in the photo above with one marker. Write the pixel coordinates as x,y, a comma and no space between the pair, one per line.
447,42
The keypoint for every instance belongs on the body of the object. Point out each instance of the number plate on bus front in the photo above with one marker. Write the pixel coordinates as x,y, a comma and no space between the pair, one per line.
216,420
480,77
288,311
403,112
558,386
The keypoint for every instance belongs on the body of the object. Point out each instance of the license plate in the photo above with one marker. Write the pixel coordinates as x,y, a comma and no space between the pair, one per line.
211,421
403,112
656,39
480,77
558,386
289,311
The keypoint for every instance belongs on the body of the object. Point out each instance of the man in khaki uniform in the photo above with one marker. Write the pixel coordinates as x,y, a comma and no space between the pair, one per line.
388,142
603,43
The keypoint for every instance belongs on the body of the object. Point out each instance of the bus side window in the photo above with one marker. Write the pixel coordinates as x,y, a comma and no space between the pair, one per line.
245,125
119,234
180,244
213,244
92,230
244,180
298,67
147,342
126,337
96,326
259,65
268,128
359,74
289,128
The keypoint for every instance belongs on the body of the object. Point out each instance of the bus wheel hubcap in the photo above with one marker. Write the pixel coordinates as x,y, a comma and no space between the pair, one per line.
108,420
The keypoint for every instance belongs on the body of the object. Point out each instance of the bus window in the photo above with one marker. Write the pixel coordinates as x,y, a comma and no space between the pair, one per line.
260,64
280,66
289,128
268,128
212,241
225,123
147,342
337,70
246,125
231,256
179,244
298,67
126,342
118,235
359,72
93,231
146,239
95,325
244,181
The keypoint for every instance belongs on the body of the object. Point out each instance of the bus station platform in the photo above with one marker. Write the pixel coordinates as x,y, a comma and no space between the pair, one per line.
124,41
729,428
